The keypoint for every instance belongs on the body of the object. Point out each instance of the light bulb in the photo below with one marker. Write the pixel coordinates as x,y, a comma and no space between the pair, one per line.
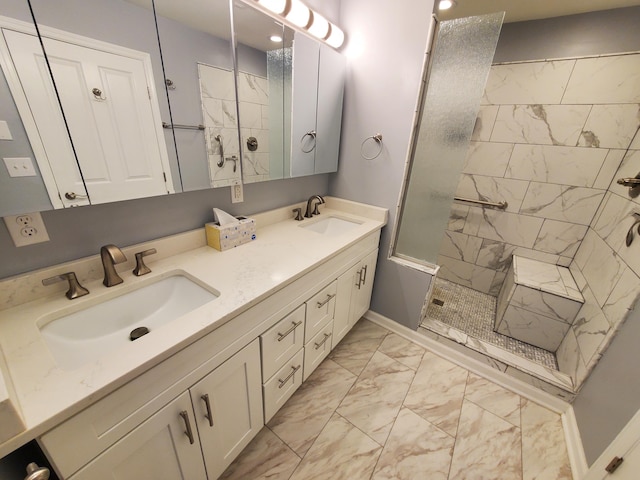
319,27
275,38
445,4
336,37
299,14
275,6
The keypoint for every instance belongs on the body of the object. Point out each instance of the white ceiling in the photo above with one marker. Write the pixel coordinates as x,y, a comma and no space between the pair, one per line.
520,10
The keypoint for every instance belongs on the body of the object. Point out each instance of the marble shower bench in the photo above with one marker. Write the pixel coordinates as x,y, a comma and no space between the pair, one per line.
538,303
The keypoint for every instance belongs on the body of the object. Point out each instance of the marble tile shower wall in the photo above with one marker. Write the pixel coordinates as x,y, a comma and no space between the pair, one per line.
607,272
549,138
220,118
221,124
253,104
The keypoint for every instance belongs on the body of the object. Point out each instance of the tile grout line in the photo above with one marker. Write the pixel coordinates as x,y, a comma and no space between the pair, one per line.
455,438
521,438
415,372
335,411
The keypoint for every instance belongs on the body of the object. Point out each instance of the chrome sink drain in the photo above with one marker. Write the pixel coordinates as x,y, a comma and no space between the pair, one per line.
136,333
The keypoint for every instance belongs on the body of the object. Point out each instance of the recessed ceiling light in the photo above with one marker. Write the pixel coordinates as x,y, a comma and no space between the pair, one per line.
275,38
446,4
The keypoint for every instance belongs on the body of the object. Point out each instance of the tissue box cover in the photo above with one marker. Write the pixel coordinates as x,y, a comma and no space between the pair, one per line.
228,236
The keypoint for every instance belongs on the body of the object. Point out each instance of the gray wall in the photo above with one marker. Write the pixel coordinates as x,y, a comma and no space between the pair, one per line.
611,395
386,48
608,31
79,232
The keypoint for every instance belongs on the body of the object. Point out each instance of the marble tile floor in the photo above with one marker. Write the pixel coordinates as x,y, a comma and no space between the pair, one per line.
473,313
381,407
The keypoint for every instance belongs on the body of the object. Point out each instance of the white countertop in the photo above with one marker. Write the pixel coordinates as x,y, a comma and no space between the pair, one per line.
46,394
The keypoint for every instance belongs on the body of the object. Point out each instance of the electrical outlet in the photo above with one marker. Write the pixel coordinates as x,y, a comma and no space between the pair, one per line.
24,220
26,229
237,195
29,231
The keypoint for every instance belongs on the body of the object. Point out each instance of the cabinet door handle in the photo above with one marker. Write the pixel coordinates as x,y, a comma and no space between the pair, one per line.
327,300
364,271
207,404
187,425
323,341
294,325
284,381
359,282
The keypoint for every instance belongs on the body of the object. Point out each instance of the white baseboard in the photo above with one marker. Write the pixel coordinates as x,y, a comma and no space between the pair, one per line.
575,449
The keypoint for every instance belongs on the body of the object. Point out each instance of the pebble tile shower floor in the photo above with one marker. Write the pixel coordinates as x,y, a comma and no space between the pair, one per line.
473,313
381,407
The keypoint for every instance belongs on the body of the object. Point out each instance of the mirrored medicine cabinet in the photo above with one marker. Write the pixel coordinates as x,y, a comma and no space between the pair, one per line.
140,98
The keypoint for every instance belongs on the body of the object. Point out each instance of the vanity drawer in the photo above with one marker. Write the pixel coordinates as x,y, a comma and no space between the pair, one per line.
282,341
317,349
320,310
279,388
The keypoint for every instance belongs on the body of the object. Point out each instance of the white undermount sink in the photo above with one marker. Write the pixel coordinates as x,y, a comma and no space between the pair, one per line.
331,225
86,335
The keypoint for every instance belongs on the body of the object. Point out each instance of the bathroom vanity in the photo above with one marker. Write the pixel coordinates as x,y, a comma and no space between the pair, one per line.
199,387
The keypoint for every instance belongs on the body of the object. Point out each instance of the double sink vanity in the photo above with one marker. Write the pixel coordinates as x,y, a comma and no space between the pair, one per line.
231,336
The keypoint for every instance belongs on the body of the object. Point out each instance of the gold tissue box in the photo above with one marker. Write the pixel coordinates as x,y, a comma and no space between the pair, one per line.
228,236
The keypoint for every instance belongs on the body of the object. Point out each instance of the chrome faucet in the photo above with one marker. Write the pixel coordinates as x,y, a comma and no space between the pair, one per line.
75,289
110,256
309,213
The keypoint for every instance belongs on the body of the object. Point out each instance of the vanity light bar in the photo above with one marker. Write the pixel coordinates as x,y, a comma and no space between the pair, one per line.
298,14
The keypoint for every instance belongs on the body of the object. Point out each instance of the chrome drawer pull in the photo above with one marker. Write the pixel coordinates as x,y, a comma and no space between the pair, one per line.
207,404
285,380
323,341
364,270
187,424
294,325
329,297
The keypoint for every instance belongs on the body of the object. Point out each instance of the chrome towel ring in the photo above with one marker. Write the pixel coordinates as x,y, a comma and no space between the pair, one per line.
378,139
311,134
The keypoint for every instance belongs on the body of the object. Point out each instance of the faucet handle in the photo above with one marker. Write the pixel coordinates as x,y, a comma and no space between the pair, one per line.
315,210
75,289
141,267
298,212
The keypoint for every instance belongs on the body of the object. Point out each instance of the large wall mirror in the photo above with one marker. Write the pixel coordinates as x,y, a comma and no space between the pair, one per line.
197,50
137,98
103,66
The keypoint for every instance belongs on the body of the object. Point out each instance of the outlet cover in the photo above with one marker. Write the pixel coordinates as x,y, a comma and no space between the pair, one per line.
237,193
26,229
20,167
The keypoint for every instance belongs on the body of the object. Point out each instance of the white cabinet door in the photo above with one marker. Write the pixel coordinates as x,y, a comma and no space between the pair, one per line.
304,104
228,406
331,77
363,287
158,448
346,285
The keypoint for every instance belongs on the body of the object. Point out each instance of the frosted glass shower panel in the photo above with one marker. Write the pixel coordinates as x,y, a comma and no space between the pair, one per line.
460,63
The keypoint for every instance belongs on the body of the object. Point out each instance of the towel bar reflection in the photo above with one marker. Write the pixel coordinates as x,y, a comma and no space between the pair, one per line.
501,205
378,139
185,127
